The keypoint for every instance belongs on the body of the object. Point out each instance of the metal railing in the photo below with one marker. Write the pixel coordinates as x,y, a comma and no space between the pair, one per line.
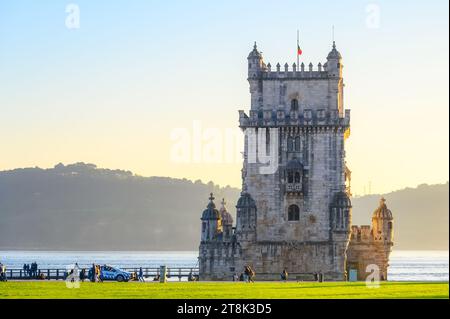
61,273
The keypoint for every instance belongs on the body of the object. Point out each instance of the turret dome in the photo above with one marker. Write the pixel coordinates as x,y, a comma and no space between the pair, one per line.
334,53
382,211
227,219
211,212
254,53
246,201
341,199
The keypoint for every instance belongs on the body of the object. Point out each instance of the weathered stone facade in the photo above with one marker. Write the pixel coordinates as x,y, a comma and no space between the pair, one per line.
295,209
372,245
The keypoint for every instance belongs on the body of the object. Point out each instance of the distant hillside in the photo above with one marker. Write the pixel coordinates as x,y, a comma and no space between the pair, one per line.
82,207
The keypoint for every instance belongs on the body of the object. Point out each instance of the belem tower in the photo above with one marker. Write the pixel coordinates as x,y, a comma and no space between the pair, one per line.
294,211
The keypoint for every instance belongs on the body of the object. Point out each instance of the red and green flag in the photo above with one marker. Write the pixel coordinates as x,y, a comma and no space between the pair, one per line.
299,51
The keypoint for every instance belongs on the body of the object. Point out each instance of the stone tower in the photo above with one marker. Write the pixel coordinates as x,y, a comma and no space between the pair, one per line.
302,204
294,212
372,245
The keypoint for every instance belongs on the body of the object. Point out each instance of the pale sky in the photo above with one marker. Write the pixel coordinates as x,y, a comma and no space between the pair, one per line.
113,91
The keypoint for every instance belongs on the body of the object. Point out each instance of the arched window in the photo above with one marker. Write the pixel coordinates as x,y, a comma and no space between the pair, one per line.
297,177
294,105
297,144
290,177
293,213
260,115
290,144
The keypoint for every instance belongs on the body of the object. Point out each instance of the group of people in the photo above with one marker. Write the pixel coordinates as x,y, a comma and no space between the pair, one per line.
95,273
76,272
3,272
31,270
248,275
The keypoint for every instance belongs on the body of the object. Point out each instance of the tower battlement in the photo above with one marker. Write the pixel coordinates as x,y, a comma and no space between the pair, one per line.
361,233
294,72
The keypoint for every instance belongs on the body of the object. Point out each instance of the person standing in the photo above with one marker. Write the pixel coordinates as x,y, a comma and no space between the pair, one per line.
93,273
284,275
3,272
249,274
98,273
76,272
141,275
34,270
246,279
82,274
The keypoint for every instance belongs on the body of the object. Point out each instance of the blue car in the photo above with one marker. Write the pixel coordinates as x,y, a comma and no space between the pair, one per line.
112,273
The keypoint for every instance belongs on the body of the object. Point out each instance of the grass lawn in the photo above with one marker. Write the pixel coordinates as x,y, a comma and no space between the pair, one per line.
227,290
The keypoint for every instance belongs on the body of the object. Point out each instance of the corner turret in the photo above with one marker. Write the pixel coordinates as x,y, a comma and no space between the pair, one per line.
227,221
382,223
246,217
211,222
372,245
334,63
255,62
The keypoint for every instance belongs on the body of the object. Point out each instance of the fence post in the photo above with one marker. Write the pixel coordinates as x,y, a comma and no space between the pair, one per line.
48,274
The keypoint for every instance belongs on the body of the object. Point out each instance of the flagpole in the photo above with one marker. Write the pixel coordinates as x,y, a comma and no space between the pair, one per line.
296,50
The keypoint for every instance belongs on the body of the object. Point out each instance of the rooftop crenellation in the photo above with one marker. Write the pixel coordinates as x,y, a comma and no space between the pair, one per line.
292,71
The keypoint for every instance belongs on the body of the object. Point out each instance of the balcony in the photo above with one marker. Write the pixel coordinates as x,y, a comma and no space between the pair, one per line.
309,117
294,188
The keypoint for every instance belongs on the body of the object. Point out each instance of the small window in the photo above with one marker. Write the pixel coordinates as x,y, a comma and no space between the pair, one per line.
297,177
293,213
260,115
290,144
294,105
297,144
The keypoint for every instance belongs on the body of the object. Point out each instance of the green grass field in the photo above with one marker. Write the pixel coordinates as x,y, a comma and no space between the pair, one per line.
211,290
